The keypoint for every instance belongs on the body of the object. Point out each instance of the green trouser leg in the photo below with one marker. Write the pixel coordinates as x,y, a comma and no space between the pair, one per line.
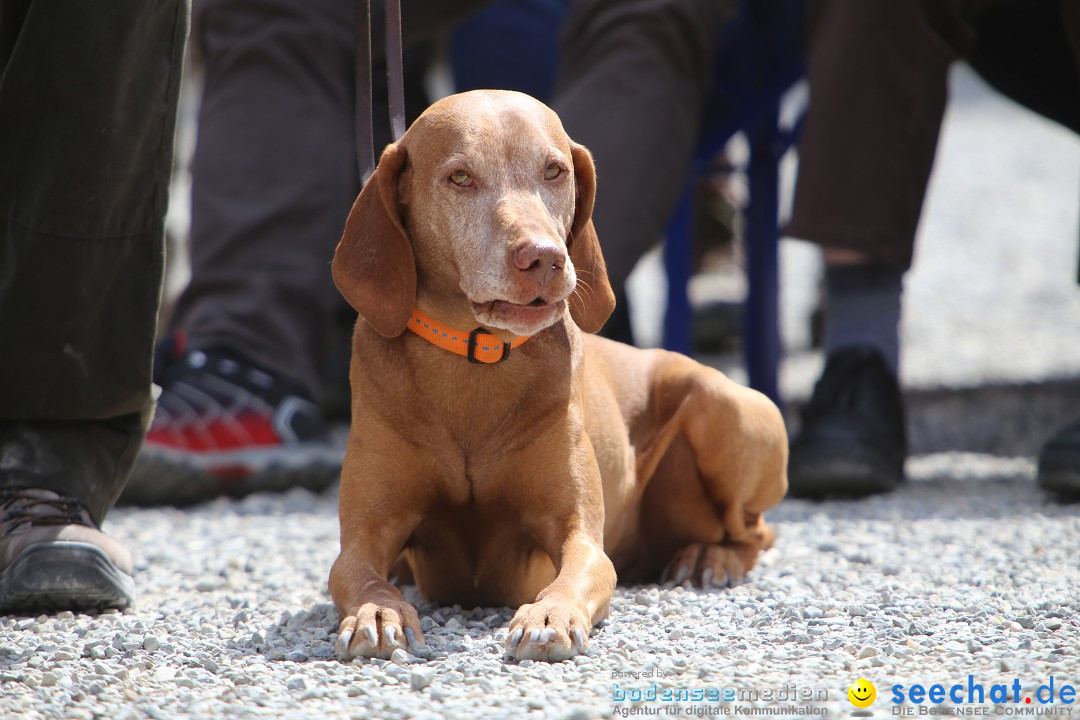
88,96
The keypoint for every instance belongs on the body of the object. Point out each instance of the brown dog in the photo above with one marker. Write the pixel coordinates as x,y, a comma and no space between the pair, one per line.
527,476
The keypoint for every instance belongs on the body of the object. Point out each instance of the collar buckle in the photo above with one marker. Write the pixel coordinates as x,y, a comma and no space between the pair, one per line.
473,344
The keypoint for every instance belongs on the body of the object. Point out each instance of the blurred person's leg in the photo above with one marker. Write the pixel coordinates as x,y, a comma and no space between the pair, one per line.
273,177
1059,459
88,96
878,76
631,88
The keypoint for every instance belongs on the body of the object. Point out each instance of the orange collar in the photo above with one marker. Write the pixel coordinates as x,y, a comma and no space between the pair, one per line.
479,346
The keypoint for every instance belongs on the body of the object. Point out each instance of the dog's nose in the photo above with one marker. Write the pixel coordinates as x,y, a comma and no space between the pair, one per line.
540,260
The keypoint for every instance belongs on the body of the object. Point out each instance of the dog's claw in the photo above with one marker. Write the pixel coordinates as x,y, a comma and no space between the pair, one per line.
515,638
410,637
534,636
547,635
343,643
371,635
579,639
682,573
707,577
391,635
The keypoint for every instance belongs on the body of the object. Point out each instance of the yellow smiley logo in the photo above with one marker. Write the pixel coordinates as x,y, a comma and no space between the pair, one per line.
862,693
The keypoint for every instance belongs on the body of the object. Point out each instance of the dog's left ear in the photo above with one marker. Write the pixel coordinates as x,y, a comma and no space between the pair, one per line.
593,299
374,267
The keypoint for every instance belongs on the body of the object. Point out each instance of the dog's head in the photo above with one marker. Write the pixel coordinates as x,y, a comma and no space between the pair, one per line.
480,214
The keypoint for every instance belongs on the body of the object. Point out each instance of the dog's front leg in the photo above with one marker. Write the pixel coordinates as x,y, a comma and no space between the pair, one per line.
374,618
556,626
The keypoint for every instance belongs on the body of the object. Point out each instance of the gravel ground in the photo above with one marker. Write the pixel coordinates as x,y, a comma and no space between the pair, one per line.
966,570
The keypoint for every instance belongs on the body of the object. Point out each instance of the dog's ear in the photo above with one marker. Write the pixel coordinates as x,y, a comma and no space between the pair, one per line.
373,265
593,299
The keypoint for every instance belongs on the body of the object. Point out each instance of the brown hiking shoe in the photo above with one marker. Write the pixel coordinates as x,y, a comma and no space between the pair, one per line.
53,556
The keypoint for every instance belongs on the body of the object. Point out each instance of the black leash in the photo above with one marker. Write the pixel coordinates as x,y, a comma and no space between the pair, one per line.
365,131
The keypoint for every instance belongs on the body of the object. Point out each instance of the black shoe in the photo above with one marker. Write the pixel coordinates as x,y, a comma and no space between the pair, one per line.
853,440
1059,463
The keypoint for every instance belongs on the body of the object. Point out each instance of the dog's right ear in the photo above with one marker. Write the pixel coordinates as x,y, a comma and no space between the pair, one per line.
373,265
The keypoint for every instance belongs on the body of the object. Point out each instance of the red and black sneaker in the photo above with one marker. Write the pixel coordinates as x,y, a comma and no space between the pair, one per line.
225,427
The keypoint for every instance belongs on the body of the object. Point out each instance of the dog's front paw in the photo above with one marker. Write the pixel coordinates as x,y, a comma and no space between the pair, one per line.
548,629
708,565
377,630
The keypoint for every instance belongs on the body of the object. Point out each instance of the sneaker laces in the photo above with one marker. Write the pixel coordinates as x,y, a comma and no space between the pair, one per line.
22,506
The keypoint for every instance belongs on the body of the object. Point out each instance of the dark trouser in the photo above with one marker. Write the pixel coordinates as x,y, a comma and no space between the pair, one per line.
878,89
275,173
88,96
632,86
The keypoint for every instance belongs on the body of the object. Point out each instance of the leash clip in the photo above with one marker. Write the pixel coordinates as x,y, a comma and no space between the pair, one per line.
473,345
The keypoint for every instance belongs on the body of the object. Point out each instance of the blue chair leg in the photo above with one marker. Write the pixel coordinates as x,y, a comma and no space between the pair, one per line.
761,334
678,262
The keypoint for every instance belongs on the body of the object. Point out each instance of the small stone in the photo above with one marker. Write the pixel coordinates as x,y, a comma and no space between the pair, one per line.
98,652
163,674
296,682
1053,624
49,679
400,657
856,611
421,677
257,638
209,584
63,655
675,634
868,651
810,612
297,656
151,644
355,691
1026,622
426,623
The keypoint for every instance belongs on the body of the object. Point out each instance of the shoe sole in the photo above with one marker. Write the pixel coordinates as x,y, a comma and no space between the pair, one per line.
824,470
60,575
163,476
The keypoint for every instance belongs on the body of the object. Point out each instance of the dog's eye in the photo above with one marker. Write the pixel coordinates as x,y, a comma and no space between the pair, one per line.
552,171
460,178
